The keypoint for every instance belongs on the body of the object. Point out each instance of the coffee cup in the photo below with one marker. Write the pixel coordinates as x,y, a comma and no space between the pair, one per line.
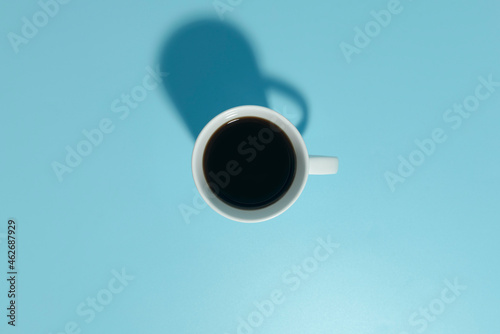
250,164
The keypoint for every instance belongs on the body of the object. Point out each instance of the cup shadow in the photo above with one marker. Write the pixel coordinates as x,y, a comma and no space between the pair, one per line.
212,67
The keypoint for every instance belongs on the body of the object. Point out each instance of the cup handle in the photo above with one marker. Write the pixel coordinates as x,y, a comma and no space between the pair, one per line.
321,165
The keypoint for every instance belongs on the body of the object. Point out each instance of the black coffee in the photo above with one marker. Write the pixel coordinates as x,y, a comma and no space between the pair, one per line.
249,163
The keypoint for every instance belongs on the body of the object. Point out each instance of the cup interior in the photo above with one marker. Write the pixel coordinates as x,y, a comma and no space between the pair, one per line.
286,200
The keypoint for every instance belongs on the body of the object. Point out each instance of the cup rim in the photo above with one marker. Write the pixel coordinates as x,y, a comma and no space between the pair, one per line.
270,211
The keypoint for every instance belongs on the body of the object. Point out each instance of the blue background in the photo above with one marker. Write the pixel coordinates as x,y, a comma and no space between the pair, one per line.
120,208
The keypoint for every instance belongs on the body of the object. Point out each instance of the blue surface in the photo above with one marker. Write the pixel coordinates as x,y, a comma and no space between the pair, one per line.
400,247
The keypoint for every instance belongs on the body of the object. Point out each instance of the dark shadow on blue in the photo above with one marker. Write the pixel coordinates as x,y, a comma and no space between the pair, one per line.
212,68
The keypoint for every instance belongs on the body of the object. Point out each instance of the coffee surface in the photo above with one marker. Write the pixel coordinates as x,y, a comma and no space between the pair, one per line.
249,163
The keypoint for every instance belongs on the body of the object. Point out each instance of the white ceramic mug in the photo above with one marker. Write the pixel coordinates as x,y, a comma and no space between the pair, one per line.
305,165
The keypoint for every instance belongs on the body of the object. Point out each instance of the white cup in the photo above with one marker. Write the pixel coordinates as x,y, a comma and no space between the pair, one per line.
305,165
